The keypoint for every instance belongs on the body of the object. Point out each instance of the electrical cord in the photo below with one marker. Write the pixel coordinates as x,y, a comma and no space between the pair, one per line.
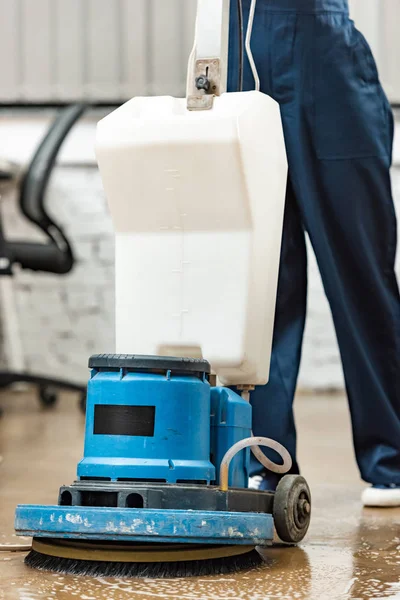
248,47
241,48
249,52
254,443
15,547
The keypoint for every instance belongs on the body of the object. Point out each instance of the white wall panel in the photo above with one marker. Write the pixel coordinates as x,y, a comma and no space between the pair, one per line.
36,35
134,71
103,21
379,21
110,50
69,49
366,14
10,67
165,48
390,48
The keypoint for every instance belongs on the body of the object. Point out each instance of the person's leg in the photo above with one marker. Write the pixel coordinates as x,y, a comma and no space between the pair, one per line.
339,141
338,131
354,242
273,403
353,231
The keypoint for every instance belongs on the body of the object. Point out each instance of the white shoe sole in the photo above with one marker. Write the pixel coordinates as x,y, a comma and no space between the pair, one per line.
381,498
255,482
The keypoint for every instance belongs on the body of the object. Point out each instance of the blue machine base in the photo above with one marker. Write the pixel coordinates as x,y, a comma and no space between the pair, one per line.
144,525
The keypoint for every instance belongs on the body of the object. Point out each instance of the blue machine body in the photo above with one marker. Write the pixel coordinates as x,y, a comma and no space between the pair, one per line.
230,423
176,445
157,425
145,525
190,426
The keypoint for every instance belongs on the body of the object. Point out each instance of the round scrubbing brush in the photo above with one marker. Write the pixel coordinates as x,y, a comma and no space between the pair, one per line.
111,559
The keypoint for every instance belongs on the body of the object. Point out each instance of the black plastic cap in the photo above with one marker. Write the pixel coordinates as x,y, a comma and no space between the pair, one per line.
149,363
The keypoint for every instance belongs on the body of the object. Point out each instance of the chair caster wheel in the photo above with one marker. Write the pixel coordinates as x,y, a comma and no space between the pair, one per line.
47,397
82,403
292,508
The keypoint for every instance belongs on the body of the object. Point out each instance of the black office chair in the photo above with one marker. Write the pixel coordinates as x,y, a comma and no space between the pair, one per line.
53,256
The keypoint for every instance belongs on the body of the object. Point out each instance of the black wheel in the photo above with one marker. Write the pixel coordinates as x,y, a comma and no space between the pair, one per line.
82,403
47,397
292,508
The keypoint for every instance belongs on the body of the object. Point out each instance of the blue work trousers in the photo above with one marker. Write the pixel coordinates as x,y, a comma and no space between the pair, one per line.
338,129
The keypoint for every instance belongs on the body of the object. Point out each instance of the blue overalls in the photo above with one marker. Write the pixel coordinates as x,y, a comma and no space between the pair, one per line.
339,131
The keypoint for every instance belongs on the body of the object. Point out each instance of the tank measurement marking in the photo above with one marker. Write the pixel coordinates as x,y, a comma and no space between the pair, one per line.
172,188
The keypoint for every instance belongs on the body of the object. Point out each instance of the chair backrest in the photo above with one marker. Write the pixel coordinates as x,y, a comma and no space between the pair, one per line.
55,255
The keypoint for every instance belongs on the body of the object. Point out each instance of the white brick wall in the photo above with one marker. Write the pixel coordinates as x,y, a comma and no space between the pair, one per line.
62,320
114,49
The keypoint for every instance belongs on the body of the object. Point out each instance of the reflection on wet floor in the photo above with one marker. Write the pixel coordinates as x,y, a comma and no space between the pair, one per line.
376,571
350,553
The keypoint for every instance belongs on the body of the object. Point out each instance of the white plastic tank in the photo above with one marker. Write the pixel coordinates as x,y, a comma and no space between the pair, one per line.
197,202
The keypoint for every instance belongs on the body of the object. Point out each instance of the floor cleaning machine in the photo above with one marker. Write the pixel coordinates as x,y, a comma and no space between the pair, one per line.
196,190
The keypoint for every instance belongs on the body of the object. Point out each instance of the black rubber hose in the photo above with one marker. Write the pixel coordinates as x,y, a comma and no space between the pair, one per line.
55,256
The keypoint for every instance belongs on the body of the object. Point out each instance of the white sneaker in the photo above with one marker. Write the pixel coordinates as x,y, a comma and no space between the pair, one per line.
381,496
255,482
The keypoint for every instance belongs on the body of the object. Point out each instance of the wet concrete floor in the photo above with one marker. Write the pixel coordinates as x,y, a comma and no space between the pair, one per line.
349,553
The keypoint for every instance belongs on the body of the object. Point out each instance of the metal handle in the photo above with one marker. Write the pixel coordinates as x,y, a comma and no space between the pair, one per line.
212,34
209,54
248,45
